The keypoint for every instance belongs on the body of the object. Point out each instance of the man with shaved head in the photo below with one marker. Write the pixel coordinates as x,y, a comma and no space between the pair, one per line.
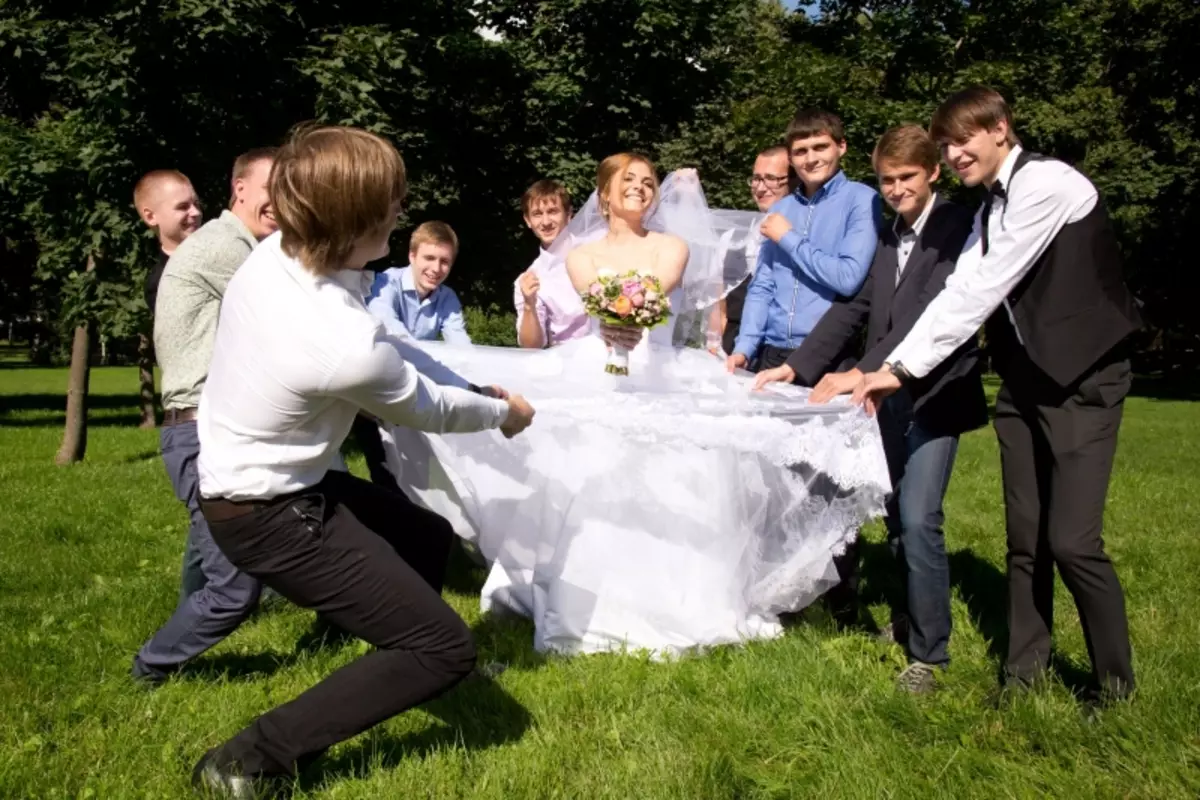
167,203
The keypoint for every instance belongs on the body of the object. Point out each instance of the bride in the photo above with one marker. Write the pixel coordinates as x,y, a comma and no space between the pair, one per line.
665,510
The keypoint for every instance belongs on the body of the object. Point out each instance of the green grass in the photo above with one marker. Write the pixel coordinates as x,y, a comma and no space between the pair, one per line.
89,559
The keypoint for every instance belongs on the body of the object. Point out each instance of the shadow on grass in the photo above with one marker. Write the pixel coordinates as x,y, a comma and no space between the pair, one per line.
58,402
506,638
881,581
58,420
984,589
49,410
478,714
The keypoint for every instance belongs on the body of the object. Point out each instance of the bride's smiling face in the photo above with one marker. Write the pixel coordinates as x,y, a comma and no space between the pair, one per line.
632,191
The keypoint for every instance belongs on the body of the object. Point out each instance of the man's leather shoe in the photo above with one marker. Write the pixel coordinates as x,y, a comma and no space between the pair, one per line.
230,783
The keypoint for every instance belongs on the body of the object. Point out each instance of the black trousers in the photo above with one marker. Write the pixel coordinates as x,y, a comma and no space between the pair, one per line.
372,563
366,432
1057,450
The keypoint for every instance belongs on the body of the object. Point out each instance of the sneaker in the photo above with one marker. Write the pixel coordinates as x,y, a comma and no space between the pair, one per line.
917,678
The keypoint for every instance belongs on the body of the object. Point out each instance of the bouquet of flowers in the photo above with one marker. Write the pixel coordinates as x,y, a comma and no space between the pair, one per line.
634,299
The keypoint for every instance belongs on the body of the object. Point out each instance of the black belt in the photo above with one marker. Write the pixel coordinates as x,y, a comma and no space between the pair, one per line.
177,416
219,509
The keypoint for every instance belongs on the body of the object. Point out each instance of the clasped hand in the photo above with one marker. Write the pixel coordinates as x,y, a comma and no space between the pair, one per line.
621,336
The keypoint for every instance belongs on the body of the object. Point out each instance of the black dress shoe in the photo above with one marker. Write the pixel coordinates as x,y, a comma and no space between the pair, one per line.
230,783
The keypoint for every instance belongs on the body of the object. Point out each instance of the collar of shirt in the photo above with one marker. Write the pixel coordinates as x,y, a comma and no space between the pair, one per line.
901,227
829,187
407,284
354,281
1006,169
234,221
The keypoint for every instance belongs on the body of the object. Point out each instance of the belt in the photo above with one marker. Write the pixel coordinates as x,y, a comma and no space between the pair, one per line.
219,509
177,416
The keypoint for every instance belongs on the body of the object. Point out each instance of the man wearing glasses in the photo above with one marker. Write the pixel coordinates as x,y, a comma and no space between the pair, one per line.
821,239
768,184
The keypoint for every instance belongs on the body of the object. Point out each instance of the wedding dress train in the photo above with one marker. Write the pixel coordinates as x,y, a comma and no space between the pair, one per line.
669,509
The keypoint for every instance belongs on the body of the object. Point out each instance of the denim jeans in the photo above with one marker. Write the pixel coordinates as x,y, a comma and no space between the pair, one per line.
215,597
920,464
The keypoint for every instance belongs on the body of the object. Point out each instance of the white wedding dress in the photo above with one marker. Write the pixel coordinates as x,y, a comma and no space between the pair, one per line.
666,510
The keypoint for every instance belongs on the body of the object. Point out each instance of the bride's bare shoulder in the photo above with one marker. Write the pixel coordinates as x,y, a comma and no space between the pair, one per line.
581,268
671,247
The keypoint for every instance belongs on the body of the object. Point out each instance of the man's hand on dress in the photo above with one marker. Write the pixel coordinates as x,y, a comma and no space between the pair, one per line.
620,336
835,383
781,374
736,361
530,285
874,388
774,227
520,415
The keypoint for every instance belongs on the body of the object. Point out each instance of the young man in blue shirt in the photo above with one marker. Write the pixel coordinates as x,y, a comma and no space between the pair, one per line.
820,241
413,298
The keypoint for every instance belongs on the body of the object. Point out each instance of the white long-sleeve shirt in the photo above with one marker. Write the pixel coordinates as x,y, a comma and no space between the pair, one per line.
296,357
1044,197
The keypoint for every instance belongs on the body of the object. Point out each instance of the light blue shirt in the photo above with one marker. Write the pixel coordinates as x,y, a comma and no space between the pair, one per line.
826,254
395,302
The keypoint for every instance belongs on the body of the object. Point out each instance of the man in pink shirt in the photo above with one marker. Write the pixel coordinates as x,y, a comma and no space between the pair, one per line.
548,308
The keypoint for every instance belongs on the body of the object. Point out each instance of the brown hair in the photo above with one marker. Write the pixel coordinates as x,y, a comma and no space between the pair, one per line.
772,151
906,144
613,166
969,111
433,232
814,122
243,163
151,181
331,186
545,189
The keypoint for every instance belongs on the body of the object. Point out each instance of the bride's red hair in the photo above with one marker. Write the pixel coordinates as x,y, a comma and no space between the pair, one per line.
616,165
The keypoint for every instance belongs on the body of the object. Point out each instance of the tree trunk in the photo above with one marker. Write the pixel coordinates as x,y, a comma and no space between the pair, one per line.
74,443
146,380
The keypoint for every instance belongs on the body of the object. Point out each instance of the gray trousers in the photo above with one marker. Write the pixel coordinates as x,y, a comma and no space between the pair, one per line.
215,597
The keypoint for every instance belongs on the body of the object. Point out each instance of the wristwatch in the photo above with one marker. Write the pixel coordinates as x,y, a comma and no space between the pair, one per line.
897,369
471,387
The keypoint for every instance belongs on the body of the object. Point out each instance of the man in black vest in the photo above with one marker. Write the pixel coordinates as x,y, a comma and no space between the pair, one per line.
920,425
1045,274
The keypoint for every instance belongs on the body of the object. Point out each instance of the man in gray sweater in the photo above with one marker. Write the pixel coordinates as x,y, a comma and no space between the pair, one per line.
215,596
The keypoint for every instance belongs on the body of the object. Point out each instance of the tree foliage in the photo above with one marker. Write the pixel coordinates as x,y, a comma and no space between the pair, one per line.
93,95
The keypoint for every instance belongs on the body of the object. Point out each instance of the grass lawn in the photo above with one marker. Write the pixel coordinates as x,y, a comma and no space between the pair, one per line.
89,563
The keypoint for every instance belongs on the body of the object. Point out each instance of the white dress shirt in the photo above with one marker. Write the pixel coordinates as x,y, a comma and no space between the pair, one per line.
907,237
1044,197
296,357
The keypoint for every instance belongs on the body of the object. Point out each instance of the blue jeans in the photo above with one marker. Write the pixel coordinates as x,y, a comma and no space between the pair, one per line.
215,597
920,464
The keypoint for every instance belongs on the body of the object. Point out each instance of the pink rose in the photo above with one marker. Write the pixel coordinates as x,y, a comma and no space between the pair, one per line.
638,300
595,290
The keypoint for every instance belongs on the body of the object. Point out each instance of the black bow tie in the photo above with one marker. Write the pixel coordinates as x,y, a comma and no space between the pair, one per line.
997,190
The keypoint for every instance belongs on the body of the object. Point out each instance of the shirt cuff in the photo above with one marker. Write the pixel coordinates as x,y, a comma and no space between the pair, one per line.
742,347
918,365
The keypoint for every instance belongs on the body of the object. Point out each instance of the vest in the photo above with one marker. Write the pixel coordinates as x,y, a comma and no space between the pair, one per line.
1072,308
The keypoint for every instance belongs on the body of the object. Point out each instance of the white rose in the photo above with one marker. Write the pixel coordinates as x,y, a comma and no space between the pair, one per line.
651,296
605,274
